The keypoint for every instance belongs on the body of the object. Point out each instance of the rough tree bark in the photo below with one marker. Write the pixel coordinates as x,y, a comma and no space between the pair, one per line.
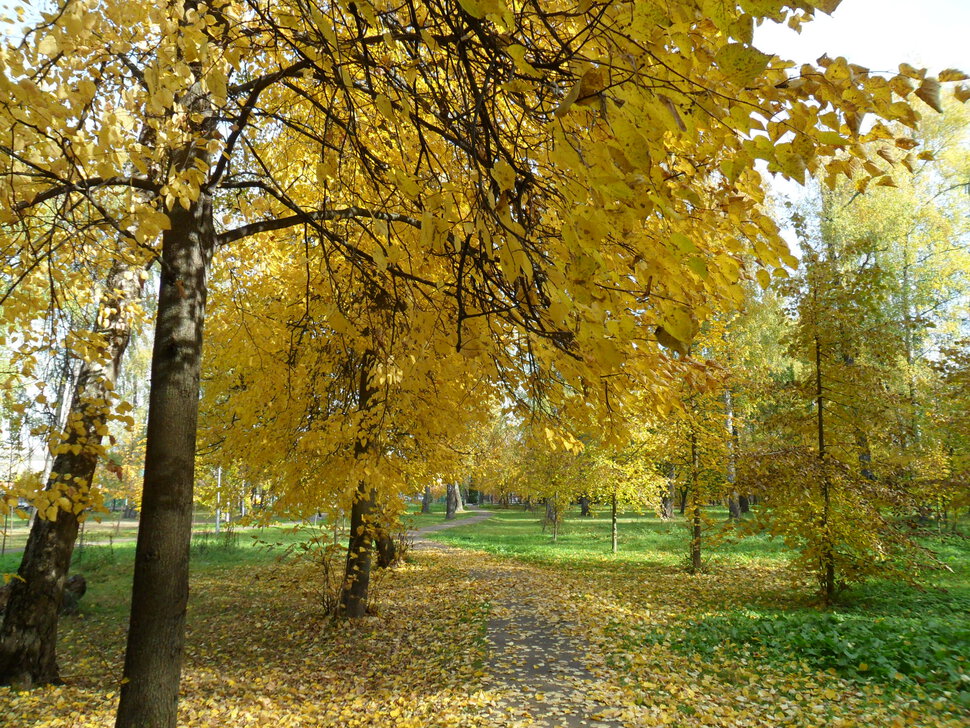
160,589
360,546
28,637
452,502
426,500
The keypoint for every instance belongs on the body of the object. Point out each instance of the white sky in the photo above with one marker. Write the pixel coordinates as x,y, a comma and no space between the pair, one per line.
879,34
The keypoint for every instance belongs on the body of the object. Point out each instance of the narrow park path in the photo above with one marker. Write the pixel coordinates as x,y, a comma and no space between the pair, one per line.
535,673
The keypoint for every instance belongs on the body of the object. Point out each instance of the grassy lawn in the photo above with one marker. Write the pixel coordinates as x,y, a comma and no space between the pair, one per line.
111,528
644,539
749,608
415,519
103,528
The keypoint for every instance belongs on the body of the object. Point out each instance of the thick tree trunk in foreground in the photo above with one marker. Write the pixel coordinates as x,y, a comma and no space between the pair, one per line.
384,541
426,500
360,554
363,514
28,638
160,591
386,550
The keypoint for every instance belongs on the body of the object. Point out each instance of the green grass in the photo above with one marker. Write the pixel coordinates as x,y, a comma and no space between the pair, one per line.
642,537
414,519
904,636
109,528
929,650
107,569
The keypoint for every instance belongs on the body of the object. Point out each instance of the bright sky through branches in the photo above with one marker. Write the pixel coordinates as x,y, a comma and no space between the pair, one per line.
880,34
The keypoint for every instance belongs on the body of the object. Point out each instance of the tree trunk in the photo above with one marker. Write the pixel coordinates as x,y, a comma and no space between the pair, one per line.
452,501
614,541
683,500
160,591
353,596
584,509
744,505
827,554
426,500
28,638
695,540
552,518
731,470
667,500
386,550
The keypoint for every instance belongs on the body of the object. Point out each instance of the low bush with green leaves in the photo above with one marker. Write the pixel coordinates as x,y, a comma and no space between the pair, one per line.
931,651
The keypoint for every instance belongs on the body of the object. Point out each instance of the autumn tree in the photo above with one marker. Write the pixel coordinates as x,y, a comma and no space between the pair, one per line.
504,145
29,629
628,476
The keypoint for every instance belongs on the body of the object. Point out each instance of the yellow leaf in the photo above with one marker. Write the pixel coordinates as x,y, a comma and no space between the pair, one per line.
683,243
952,74
929,92
48,46
473,8
826,6
679,324
741,63
568,101
503,174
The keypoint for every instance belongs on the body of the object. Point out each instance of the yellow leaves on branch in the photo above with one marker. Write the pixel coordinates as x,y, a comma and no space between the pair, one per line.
522,239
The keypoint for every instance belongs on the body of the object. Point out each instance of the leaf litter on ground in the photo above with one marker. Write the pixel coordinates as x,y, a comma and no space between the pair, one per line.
260,651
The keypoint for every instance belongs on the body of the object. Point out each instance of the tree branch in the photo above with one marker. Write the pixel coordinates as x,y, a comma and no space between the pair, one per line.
346,213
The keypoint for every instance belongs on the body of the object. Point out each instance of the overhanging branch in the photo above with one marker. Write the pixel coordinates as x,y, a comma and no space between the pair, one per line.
345,213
